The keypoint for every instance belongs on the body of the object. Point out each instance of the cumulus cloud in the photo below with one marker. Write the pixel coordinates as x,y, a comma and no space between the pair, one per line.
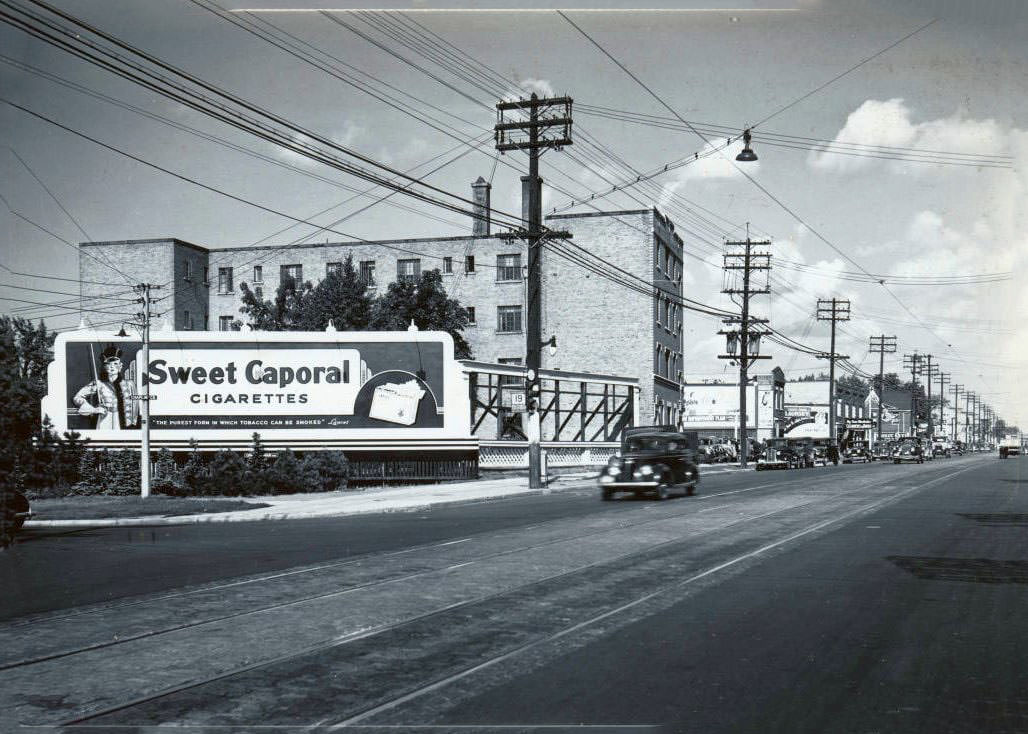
888,123
346,137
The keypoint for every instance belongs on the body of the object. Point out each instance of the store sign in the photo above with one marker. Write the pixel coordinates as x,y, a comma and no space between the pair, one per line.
218,385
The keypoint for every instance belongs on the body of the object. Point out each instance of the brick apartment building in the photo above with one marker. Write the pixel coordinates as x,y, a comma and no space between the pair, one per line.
601,326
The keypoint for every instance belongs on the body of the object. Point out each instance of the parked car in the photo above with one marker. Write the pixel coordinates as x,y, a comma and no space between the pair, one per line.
657,463
909,449
14,511
942,447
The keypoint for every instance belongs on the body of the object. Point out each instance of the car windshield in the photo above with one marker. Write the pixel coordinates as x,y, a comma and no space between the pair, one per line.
646,443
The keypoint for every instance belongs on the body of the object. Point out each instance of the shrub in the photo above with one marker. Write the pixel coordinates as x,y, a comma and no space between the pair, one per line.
228,474
327,470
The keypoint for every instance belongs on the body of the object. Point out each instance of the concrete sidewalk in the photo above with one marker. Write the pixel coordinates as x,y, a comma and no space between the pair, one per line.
360,502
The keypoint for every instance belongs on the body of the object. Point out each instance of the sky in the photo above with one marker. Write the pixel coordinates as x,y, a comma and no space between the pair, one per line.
956,87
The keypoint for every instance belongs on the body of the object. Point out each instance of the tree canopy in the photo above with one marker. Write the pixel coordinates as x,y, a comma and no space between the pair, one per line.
343,299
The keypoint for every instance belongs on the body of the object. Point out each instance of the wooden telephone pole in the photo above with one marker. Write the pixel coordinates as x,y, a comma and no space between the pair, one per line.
833,310
881,345
746,338
547,126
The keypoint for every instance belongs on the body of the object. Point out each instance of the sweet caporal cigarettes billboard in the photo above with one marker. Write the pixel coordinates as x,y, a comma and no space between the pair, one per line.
303,389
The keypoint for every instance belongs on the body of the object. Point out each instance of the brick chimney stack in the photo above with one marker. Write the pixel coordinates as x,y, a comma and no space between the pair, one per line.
480,194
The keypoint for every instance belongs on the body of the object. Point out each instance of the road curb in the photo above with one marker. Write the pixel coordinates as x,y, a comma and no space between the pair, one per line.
270,515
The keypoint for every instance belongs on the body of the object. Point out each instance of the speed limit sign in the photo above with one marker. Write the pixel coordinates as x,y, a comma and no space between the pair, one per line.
517,402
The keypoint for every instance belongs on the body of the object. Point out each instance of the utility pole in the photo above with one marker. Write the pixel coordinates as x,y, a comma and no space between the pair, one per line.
144,452
957,391
944,379
967,418
833,310
929,373
548,127
881,345
746,338
912,362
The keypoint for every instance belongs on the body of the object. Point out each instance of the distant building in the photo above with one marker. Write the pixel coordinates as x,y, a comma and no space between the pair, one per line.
713,408
601,326
806,408
895,411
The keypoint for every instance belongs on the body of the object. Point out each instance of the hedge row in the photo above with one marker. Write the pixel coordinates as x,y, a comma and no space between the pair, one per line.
78,471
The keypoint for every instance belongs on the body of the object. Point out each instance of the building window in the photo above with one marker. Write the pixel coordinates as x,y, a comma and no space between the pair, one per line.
188,274
187,321
508,319
206,321
469,263
667,313
258,273
408,271
667,365
206,275
447,265
291,272
225,323
224,280
508,267
333,269
471,315
368,272
511,380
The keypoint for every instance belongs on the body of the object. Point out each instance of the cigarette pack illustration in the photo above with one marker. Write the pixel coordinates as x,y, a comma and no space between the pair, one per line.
396,402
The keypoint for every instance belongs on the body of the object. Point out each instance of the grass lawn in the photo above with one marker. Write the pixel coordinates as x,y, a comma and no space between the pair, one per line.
94,508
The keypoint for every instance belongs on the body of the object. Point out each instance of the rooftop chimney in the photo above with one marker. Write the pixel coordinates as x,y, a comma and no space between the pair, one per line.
480,194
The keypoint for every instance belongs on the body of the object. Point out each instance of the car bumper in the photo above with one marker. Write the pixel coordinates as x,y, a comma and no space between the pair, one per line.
628,485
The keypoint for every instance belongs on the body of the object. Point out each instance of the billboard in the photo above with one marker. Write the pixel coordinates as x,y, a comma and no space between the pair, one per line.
392,390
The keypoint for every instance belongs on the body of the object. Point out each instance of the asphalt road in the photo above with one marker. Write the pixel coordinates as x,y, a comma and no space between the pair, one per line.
851,599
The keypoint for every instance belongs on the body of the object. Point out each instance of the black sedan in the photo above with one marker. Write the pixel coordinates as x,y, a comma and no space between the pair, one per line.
652,463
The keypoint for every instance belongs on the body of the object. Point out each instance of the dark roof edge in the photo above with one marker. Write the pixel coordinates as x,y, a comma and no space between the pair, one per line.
159,240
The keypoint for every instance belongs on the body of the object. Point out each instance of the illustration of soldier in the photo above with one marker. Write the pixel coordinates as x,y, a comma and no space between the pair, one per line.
110,398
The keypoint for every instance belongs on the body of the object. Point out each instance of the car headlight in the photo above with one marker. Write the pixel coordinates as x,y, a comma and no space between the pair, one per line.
646,471
614,461
613,470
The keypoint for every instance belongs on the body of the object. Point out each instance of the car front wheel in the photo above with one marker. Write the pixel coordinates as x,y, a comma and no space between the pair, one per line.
663,492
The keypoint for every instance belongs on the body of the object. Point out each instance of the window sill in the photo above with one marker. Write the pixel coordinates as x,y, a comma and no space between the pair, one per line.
500,333
226,293
517,280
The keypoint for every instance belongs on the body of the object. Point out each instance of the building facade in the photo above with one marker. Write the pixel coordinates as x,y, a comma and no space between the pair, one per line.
712,408
806,408
601,326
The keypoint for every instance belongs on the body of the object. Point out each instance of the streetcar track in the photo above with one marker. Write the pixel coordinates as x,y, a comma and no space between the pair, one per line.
355,636
293,602
215,586
378,582
356,719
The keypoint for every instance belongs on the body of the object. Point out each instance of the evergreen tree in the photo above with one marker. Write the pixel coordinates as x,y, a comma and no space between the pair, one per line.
257,459
122,477
167,477
194,473
284,475
228,472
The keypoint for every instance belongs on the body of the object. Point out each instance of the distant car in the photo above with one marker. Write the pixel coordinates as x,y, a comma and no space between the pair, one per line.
653,463
942,447
909,449
856,452
14,511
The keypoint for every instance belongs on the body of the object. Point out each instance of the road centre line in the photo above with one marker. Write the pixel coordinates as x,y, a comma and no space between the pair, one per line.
636,602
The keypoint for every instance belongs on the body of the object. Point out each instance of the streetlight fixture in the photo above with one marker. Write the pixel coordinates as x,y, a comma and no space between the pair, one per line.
746,155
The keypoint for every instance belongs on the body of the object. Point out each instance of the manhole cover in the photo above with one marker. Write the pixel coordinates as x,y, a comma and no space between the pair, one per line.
974,570
998,519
